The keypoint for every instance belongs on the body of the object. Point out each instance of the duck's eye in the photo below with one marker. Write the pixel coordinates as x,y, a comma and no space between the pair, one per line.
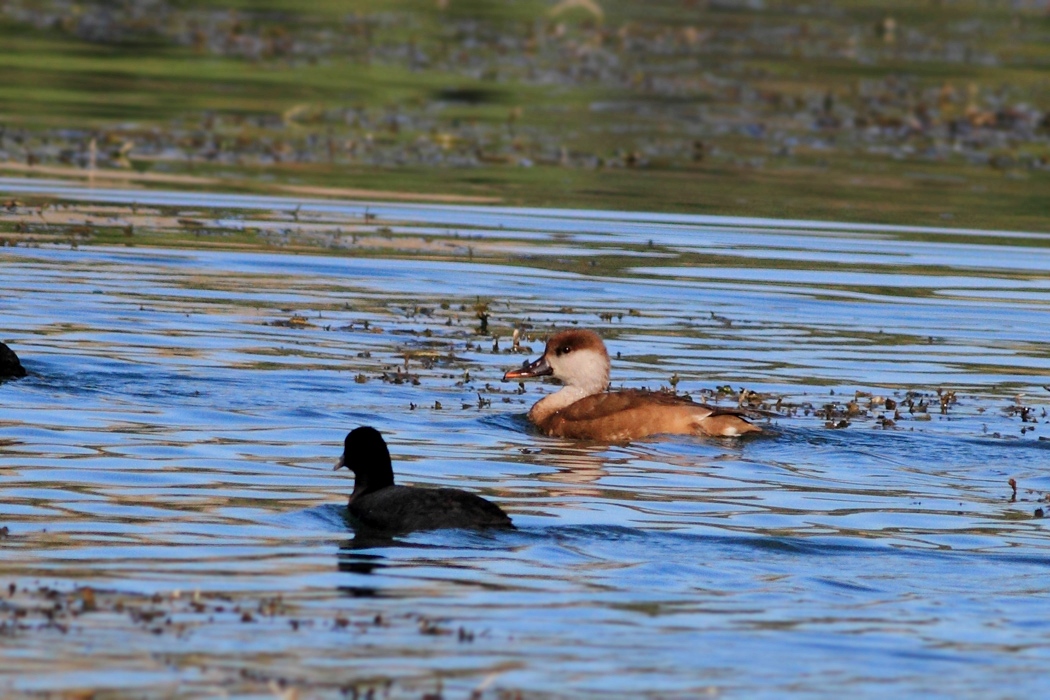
564,350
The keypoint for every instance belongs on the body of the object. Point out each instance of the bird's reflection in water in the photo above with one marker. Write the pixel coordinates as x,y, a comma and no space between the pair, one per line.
576,469
352,561
353,557
363,554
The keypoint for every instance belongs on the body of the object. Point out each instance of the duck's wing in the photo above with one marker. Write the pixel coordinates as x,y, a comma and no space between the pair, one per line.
620,416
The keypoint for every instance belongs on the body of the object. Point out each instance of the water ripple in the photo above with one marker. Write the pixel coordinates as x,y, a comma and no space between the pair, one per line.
172,448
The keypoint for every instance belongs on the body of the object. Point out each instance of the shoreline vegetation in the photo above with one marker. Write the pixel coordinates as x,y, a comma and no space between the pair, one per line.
932,113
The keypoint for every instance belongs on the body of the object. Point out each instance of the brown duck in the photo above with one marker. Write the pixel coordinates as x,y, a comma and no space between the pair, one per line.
584,408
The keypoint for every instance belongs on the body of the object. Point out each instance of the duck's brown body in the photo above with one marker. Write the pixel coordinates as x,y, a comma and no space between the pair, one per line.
632,414
585,410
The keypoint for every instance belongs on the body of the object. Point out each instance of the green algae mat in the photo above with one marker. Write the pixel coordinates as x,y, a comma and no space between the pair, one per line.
921,113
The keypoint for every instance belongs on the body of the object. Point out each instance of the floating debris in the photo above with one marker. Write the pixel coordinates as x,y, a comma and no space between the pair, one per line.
294,321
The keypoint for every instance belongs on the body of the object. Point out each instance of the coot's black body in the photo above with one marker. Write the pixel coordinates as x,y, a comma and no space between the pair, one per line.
380,505
405,508
10,367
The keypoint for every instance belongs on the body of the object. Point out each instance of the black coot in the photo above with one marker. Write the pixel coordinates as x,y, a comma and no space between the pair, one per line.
10,367
380,505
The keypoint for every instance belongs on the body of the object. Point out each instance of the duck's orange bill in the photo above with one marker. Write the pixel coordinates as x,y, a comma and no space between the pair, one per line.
539,368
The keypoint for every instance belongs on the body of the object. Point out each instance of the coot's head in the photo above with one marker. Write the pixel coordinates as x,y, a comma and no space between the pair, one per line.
366,455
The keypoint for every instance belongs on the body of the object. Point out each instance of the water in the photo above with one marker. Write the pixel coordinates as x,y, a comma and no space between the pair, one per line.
171,451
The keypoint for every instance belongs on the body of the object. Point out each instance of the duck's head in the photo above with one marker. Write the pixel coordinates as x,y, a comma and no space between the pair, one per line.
366,455
577,357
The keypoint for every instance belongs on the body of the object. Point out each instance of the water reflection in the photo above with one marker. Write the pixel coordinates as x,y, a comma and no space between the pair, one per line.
353,559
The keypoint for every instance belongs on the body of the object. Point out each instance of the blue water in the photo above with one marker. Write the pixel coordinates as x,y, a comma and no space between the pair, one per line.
172,440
